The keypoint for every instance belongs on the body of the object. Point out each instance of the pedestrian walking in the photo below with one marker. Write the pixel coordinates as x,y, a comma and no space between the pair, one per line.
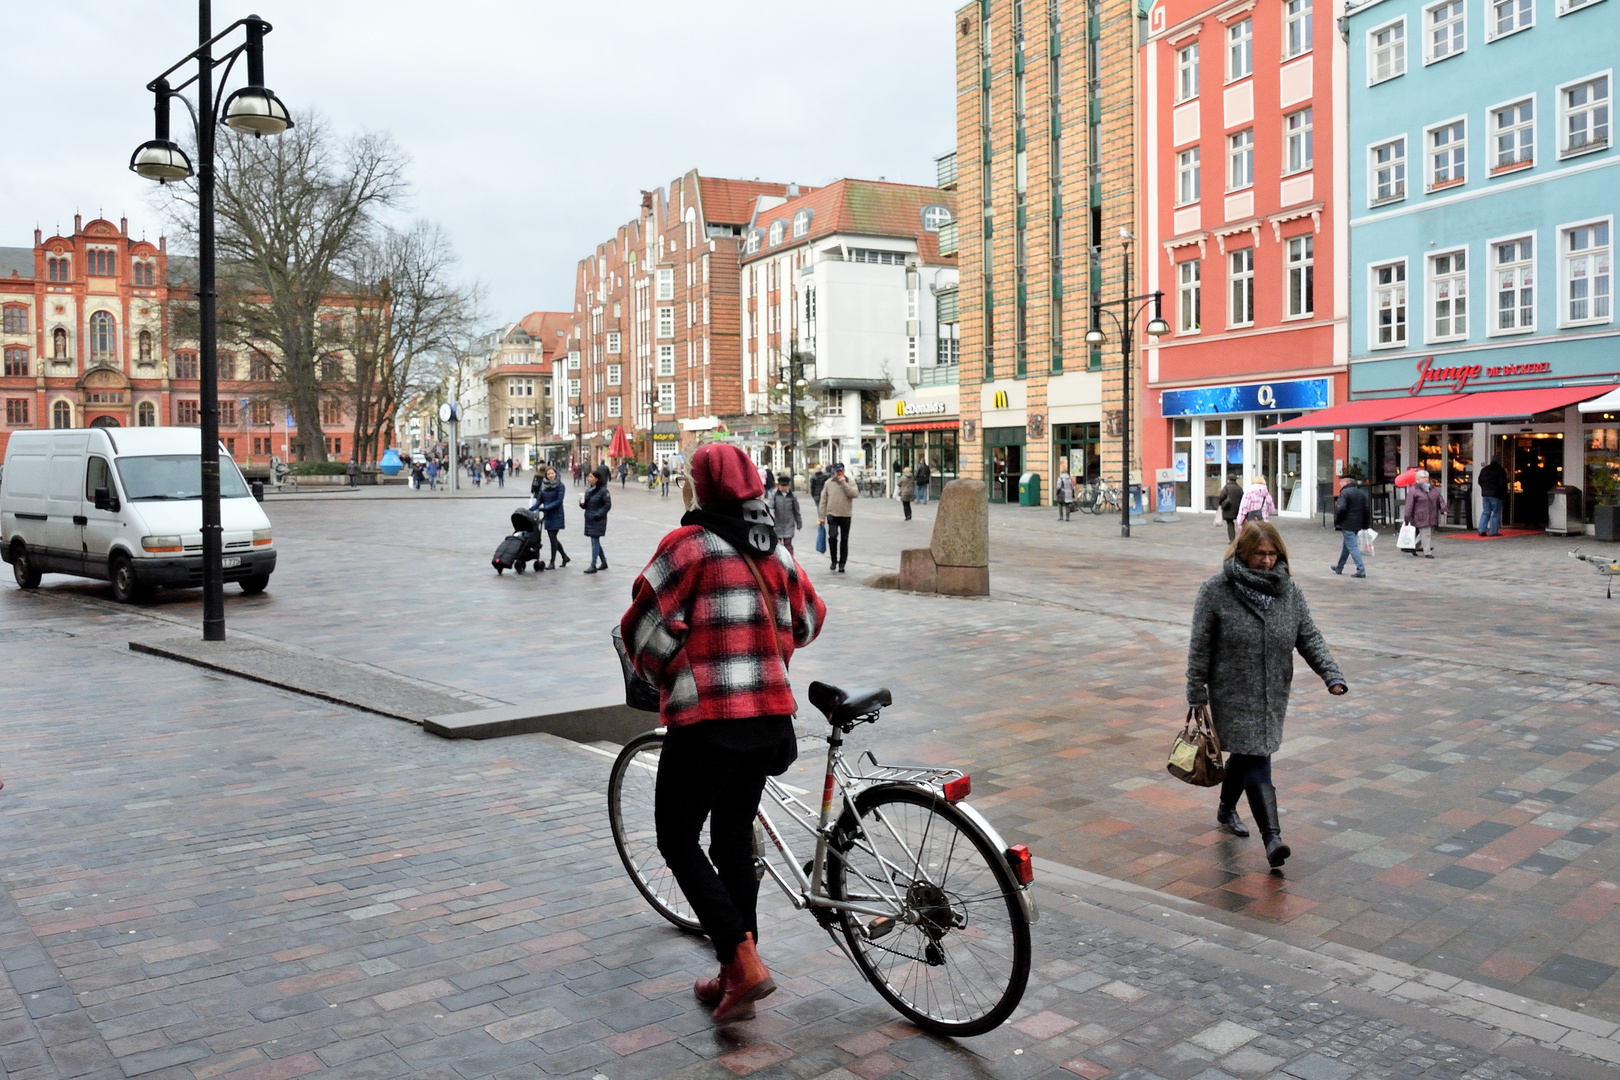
785,511
624,473
1231,498
1064,493
1247,622
714,621
418,474
818,480
1351,514
663,475
433,475
906,489
1493,484
596,502
500,472
548,497
836,507
1425,509
924,476
1256,504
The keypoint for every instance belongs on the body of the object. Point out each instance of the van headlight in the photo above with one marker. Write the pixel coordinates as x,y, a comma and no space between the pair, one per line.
261,537
161,543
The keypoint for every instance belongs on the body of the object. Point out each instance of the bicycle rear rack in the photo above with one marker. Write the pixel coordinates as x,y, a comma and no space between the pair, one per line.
901,774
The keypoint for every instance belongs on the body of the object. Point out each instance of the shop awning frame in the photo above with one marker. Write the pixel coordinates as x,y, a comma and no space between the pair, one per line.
1477,406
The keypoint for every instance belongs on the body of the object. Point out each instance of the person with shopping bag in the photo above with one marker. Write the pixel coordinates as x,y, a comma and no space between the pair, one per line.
1425,509
1248,621
1352,514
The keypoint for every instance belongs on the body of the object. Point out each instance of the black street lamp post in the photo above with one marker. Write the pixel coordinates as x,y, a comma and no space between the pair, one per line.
794,383
577,413
1125,322
251,110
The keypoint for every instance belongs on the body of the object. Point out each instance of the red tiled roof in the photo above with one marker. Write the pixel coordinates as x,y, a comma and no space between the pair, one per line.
731,202
545,325
863,208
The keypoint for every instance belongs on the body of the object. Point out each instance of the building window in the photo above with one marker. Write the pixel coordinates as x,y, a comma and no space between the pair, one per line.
1448,154
1240,50
227,412
801,223
1187,72
666,322
331,411
1447,24
146,414
573,388
1567,6
59,269
832,403
934,217
16,412
778,230
1297,27
101,262
259,368
1586,115
573,360
1508,16
615,406
1586,273
1190,296
62,415
1515,135
185,412
16,363
1389,305
1386,48
950,345
260,412
1187,176
1515,285
103,337
331,369
666,397
1389,171
750,245
140,273
16,319
886,258
1242,263
185,364
1301,276
666,361
666,283
1240,160
615,374
1301,140
1448,291
520,388
614,342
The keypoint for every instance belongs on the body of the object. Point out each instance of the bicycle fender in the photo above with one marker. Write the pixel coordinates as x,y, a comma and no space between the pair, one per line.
1026,900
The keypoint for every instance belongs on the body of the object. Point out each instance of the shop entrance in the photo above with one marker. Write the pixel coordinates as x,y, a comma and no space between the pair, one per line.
1534,464
1282,464
1003,462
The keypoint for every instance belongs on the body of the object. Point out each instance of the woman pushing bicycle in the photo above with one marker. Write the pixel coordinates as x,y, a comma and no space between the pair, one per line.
713,621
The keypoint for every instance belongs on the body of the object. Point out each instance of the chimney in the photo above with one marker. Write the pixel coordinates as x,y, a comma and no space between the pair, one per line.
78,224
123,225
39,238
793,191
163,243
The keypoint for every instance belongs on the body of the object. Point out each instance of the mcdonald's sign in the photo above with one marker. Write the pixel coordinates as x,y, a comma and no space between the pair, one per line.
999,400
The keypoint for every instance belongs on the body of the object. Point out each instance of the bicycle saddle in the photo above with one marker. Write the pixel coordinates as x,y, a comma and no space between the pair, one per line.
846,706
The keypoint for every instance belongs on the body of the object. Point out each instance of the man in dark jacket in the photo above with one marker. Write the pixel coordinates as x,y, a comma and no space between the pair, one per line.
1230,499
924,476
596,502
1493,483
1352,514
818,480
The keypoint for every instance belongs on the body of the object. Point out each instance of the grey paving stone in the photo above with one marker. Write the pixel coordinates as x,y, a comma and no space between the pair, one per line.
1317,1067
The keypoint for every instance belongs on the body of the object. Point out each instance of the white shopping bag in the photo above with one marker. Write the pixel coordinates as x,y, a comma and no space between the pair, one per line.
1366,537
1408,538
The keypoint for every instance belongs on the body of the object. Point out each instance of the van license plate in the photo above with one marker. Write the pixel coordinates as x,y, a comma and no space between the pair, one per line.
230,560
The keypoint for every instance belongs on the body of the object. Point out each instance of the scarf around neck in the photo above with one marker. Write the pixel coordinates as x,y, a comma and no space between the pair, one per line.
1273,582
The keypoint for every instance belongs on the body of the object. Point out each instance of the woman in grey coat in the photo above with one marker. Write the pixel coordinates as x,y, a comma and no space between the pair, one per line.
1247,622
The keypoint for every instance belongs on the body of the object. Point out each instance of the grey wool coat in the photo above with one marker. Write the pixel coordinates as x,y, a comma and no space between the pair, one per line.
1240,661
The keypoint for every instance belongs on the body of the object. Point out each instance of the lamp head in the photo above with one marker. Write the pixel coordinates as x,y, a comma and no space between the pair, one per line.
1095,337
1157,326
256,111
160,158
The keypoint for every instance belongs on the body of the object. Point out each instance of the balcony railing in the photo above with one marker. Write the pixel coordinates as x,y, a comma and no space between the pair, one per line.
939,375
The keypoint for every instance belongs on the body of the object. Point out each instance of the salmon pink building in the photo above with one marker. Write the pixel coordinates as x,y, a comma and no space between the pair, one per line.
1242,215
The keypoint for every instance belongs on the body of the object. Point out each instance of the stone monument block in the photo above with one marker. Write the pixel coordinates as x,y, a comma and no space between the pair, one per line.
962,525
917,571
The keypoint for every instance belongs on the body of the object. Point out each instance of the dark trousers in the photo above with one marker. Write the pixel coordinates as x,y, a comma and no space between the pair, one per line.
556,548
907,504
1241,771
838,539
1231,530
698,780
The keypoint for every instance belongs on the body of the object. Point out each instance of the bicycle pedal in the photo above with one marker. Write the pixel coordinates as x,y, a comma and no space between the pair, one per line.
878,927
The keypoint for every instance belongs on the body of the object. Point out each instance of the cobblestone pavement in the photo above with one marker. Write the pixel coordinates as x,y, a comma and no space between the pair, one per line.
208,878
1456,811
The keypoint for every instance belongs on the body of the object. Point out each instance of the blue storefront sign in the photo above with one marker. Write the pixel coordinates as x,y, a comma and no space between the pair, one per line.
1293,395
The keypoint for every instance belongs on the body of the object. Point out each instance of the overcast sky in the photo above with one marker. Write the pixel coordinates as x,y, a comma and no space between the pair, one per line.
531,126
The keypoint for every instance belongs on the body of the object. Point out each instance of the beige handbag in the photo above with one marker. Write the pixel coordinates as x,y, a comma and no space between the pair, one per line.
1196,754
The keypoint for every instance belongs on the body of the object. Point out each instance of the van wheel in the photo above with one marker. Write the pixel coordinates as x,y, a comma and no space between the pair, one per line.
22,567
256,584
126,589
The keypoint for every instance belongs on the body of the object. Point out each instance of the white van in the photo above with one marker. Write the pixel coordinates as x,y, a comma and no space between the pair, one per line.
124,505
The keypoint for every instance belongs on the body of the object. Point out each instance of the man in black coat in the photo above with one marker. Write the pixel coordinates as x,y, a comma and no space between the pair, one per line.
1352,514
818,480
1493,482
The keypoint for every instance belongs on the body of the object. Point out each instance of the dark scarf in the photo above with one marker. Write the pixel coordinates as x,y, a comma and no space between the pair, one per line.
726,521
1273,582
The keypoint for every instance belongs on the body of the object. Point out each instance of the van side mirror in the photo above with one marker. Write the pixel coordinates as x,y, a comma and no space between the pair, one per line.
106,500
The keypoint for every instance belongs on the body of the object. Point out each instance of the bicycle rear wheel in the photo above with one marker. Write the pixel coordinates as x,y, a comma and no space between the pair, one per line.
955,957
631,788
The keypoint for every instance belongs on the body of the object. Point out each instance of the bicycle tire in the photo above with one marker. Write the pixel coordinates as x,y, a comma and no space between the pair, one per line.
630,813
998,930
1097,504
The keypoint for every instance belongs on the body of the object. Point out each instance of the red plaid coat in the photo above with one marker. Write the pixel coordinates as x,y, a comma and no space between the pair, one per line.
697,628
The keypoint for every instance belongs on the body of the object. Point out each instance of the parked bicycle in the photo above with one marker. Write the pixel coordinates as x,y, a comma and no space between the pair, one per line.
1101,498
911,882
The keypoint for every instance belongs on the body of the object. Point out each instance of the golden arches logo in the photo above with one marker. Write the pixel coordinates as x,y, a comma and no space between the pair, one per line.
899,408
999,401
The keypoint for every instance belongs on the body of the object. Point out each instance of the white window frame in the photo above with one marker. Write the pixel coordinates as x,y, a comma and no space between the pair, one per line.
573,388
1187,72
1404,163
1566,7
1564,149
615,407
666,397
666,321
1492,33
666,283
832,403
1240,160
666,361
1306,268
1189,175
573,360
1189,296
614,342
1564,277
1240,45
1396,44
1429,171
1493,317
1492,162
615,374
1306,135
1431,302
1374,301
1298,16
1461,19
1240,283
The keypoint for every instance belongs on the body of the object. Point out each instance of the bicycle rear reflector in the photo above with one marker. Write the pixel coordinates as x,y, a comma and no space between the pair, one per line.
1023,866
958,789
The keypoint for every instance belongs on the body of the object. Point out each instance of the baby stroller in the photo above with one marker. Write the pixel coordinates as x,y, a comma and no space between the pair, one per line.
522,546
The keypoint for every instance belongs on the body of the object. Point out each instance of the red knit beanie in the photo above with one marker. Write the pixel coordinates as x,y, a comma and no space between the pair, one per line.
722,473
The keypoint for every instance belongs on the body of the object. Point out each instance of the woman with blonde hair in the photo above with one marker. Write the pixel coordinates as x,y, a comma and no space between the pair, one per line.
1248,621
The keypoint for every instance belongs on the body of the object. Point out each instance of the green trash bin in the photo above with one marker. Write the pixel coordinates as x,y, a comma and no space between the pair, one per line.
1029,489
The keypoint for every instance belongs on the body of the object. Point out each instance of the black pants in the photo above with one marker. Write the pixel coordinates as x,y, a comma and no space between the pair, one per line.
1231,530
838,539
556,548
907,504
701,776
1241,771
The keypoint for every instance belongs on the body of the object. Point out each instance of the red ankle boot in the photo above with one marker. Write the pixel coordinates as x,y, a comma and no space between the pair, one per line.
710,991
745,981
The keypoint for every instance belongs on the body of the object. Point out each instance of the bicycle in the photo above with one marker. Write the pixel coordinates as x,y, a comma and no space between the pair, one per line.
1104,498
933,906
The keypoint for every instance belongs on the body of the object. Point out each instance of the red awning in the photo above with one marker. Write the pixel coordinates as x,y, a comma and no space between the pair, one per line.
923,425
1443,408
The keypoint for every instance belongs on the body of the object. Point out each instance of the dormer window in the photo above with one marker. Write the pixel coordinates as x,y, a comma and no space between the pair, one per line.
778,230
751,240
801,222
935,216
59,269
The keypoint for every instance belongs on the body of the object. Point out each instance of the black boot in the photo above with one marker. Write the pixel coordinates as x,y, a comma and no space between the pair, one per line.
1227,818
1263,804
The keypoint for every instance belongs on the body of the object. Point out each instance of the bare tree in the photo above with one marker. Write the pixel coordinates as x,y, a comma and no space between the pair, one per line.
292,215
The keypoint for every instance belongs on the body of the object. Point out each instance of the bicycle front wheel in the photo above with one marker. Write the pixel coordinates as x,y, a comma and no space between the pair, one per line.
631,788
954,955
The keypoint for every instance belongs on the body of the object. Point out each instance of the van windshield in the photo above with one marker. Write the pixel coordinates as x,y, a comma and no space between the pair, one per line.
175,476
